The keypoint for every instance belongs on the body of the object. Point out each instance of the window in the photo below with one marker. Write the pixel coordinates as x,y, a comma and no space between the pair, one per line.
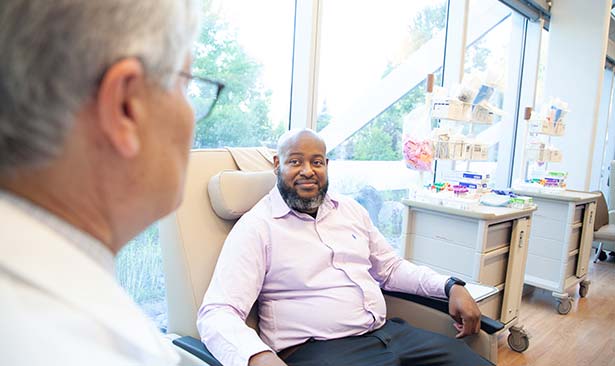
533,168
360,69
139,271
493,55
253,58
371,75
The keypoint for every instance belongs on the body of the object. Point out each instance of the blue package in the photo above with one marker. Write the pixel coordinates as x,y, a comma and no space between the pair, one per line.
468,185
557,115
484,93
472,176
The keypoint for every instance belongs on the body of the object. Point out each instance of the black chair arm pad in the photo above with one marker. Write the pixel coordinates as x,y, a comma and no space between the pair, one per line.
487,324
197,348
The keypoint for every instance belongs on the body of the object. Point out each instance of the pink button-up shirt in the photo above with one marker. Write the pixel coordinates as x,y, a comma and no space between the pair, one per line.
313,278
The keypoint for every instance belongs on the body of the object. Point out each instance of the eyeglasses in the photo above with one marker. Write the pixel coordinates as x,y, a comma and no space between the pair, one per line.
203,94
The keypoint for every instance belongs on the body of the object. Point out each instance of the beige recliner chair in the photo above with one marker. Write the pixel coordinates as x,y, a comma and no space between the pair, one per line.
191,239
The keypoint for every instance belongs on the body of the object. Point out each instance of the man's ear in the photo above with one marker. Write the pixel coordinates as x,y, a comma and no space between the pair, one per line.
276,164
119,100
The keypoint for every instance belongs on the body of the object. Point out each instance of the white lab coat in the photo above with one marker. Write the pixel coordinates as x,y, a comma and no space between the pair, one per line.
58,307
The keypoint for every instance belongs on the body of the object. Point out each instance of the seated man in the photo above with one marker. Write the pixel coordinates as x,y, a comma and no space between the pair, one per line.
316,264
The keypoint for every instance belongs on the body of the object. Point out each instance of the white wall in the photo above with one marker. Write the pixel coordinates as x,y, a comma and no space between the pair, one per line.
574,73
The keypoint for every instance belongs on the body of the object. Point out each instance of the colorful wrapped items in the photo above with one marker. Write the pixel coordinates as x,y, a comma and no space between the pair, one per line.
418,153
460,190
441,186
521,202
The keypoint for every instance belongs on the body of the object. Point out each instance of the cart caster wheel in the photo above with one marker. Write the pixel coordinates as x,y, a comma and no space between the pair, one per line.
583,290
564,306
602,255
518,341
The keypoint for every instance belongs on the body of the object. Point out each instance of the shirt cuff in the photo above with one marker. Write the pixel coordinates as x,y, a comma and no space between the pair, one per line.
441,282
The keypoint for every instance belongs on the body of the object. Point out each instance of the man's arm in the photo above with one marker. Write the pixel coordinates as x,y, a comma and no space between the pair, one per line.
234,287
396,274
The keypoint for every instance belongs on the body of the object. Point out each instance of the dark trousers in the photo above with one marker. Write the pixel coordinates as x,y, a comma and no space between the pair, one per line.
396,343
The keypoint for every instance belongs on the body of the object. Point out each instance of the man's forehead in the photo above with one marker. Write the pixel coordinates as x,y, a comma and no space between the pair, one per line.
305,147
293,137
302,142
318,153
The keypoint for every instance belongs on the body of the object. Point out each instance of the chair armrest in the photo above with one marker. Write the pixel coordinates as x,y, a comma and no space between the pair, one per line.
487,324
197,348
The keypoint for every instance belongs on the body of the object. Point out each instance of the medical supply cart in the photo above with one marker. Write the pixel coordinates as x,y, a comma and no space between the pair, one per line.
560,243
480,244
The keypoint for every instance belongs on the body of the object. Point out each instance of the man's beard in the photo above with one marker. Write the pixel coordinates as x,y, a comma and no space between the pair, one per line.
292,199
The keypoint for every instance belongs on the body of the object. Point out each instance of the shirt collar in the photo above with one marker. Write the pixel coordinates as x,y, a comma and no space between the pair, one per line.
279,208
86,243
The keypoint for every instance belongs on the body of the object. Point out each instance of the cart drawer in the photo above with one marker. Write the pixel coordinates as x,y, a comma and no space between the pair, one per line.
546,248
571,266
498,235
548,228
443,254
445,228
551,209
579,210
545,269
492,306
493,268
575,239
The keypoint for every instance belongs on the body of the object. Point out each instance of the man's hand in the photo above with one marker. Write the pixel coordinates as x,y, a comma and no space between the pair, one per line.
463,308
266,358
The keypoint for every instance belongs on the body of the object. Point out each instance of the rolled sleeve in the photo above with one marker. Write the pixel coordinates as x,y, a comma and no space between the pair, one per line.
228,338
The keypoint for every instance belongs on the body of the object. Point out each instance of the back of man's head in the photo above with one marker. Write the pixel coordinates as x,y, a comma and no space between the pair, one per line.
54,54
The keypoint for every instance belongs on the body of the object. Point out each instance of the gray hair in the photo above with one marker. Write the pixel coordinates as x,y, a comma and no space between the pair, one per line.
53,55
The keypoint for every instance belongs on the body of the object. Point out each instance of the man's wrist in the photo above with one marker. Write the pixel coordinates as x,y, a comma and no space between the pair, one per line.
452,281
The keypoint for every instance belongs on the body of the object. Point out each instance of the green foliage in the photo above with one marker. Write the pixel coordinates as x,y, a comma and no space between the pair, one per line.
476,56
241,116
388,124
139,267
426,23
373,143
324,118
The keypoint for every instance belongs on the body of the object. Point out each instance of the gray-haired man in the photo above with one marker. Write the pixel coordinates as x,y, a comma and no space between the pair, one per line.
95,130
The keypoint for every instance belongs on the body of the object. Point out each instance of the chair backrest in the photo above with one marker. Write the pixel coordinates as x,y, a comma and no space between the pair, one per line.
191,238
602,212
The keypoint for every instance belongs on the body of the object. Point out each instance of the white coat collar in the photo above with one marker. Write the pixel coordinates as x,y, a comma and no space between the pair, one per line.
40,256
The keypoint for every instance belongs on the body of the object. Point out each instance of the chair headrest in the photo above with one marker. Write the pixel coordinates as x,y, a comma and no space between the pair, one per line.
232,192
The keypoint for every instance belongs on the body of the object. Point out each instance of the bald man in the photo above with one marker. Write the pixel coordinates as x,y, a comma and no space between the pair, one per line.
316,264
